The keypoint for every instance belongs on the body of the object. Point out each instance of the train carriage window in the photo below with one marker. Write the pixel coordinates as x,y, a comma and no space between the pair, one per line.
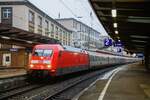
93,58
96,58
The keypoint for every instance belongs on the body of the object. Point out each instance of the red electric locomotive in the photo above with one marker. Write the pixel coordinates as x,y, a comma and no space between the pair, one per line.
55,60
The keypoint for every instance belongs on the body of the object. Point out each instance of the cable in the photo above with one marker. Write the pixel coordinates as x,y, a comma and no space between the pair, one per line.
88,13
68,8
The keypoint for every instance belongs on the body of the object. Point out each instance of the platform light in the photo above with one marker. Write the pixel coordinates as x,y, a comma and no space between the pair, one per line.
139,41
29,42
114,12
139,36
142,46
115,25
116,32
117,38
4,37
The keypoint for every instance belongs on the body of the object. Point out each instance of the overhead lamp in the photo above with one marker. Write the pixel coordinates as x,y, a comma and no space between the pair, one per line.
116,32
139,36
4,37
118,38
139,41
114,13
115,25
29,42
142,46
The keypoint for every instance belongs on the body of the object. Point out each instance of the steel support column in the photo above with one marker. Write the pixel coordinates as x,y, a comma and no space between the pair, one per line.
147,59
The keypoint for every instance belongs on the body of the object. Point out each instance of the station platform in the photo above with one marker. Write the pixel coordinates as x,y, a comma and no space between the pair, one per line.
11,72
128,82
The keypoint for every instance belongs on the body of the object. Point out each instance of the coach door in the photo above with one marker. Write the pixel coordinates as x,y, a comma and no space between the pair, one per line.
7,59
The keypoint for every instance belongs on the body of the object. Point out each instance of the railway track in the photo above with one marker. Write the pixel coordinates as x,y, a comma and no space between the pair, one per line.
53,91
71,90
18,91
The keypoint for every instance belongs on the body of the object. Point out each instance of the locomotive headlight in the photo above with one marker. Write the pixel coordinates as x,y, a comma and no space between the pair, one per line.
31,65
48,66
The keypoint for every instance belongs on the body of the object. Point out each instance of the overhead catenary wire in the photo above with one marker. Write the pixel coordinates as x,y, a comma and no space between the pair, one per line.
70,10
88,13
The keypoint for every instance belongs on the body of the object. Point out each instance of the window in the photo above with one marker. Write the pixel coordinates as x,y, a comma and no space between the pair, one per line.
39,25
60,33
74,24
6,12
52,28
46,27
7,59
46,24
41,52
83,28
31,21
31,17
39,21
56,29
47,53
80,27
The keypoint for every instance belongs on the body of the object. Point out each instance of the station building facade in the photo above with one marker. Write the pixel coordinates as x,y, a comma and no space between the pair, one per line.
83,35
24,15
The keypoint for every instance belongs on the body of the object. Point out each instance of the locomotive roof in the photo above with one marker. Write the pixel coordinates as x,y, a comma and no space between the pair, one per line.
69,48
73,49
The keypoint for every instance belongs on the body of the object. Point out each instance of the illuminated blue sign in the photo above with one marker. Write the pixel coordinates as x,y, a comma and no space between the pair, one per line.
140,55
107,42
119,50
118,44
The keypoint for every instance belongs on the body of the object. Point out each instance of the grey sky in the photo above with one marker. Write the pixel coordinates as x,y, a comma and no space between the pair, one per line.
80,8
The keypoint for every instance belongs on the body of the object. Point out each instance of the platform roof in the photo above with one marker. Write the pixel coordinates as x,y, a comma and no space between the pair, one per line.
133,21
12,35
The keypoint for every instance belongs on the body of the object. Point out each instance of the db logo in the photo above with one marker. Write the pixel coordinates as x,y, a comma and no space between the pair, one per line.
40,61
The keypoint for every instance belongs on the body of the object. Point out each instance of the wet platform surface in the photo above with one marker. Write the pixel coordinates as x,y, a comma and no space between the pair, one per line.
6,73
130,82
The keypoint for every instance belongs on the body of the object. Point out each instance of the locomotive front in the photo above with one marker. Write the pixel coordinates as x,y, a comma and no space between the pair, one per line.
41,61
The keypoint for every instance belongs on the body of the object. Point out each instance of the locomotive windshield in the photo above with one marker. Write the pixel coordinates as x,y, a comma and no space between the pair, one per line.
41,52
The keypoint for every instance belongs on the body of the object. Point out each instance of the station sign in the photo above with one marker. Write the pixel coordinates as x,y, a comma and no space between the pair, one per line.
119,49
140,55
107,42
13,49
118,44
